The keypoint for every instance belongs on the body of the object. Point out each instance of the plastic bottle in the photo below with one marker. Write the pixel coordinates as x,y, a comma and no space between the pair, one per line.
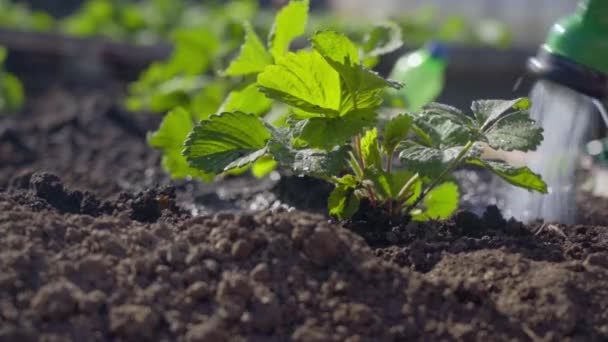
423,73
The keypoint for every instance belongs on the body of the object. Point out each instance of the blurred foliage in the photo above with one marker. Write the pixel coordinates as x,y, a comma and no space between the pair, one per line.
199,49
152,21
11,89
423,25
206,34
20,16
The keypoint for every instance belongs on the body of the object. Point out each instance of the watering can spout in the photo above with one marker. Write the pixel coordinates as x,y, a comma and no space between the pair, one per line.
576,51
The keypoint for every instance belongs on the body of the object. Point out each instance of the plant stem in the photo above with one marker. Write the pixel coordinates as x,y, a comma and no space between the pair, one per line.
372,196
407,186
361,164
445,172
358,153
389,162
354,164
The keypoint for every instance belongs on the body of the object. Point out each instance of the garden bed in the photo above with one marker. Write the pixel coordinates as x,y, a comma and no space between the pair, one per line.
97,243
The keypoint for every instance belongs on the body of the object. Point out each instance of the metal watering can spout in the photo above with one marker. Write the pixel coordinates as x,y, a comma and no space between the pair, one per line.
576,51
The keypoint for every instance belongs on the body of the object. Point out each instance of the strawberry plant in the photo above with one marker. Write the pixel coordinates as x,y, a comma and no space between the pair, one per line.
11,89
331,133
237,88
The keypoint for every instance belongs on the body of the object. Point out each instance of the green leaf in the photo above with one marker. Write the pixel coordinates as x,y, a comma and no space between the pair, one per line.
178,168
303,80
522,177
319,163
245,160
170,138
12,94
395,131
343,203
194,50
225,141
383,39
398,179
326,133
451,113
371,99
444,129
428,161
389,185
349,181
439,203
252,58
488,111
516,132
289,24
370,150
336,47
173,130
248,100
208,100
362,86
424,138
3,54
263,167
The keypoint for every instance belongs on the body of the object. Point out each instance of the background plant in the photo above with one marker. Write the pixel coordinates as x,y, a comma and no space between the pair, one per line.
17,15
11,89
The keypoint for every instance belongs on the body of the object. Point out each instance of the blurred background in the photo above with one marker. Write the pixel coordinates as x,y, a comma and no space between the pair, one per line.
490,39
527,20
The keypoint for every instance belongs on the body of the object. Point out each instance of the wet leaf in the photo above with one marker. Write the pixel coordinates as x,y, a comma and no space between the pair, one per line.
516,132
428,161
521,177
488,111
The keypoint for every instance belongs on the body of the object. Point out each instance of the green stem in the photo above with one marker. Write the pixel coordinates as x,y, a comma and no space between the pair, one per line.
445,172
354,164
389,161
358,153
407,186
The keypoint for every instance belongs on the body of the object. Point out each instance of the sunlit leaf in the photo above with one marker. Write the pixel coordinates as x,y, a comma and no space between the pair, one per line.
439,204
225,141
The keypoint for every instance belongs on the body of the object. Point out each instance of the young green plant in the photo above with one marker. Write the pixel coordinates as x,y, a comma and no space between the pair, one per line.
331,134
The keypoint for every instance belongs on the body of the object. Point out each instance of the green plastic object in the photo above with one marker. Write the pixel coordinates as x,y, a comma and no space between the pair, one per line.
583,36
423,73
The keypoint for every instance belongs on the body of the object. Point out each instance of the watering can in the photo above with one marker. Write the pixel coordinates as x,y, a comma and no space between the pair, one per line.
576,51
575,55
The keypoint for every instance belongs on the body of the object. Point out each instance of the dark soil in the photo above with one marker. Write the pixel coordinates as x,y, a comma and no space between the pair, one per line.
96,243
280,275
